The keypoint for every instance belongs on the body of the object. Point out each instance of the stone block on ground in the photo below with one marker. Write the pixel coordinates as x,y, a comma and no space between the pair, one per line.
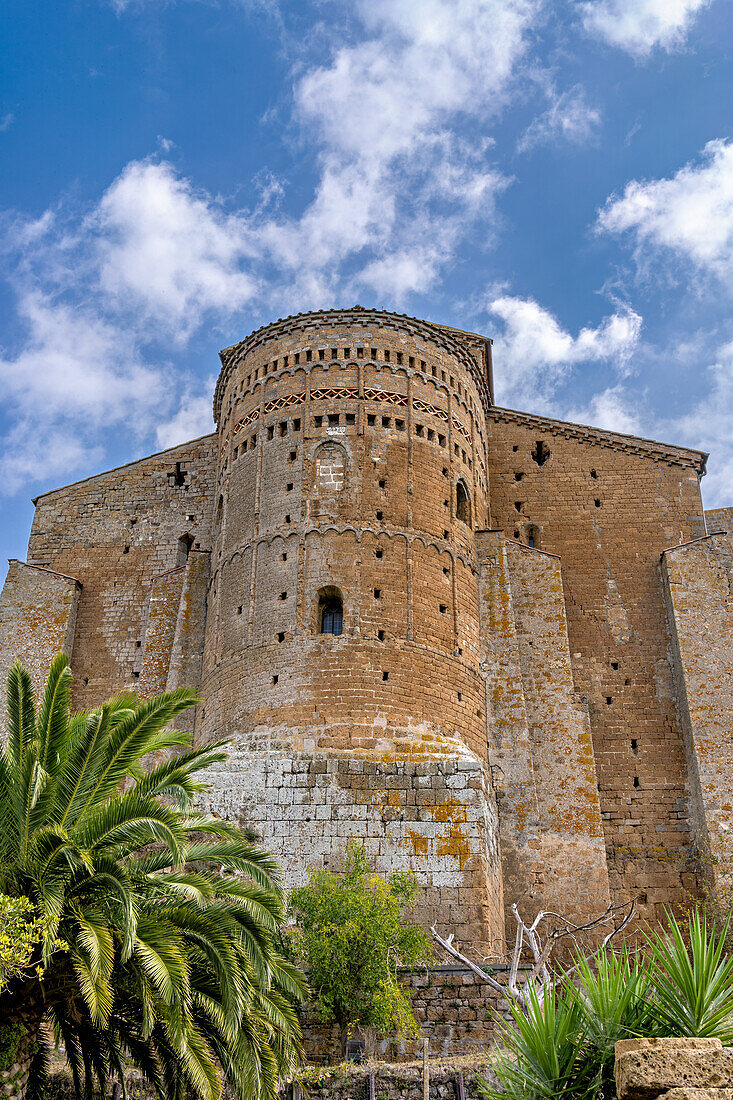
656,1066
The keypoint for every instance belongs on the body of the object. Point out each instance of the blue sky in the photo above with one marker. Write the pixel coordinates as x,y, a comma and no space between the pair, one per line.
174,173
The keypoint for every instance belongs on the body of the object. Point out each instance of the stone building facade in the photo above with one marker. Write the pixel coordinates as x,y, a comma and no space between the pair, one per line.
495,648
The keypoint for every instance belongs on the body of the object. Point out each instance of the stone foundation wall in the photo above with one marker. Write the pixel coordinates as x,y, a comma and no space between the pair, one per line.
433,814
455,1011
37,618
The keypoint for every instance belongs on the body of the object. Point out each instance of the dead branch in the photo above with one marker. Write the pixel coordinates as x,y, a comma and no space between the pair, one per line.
540,976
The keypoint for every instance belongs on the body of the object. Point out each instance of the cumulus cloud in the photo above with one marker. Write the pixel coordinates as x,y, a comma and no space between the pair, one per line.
707,425
535,354
689,215
639,26
103,292
610,409
568,118
193,418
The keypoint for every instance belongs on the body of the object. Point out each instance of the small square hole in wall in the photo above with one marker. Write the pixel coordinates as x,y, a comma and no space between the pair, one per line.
283,427
459,652
296,357
443,608
385,676
190,518
318,421
445,471
334,418
614,666
283,596
126,550
281,636
283,557
239,609
379,554
386,355
609,700
360,353
386,421
460,696
446,571
399,357
133,521
289,486
636,780
270,432
597,502
287,518
516,534
371,419
377,593
322,353
446,534
334,353
400,425
379,515
419,430
411,361
515,447
309,356
518,505
138,644
380,635
593,474
518,477
374,353
382,484
136,675
275,679
296,424
86,681
634,746
446,504
441,440
351,418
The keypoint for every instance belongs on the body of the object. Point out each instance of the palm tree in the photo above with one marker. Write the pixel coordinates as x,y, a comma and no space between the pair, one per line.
159,924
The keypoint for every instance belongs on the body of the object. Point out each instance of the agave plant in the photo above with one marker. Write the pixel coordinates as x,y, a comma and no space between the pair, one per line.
159,923
693,985
545,1049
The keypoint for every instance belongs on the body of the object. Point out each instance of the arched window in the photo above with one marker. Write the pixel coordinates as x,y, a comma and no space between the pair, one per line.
533,537
463,503
331,614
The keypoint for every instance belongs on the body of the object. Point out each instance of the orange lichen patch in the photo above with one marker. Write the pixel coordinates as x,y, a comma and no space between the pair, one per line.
418,843
449,810
456,845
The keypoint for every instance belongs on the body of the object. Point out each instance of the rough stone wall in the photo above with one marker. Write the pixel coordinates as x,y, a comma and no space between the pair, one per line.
719,519
116,533
353,461
455,1012
608,506
37,618
673,1069
430,812
539,736
699,580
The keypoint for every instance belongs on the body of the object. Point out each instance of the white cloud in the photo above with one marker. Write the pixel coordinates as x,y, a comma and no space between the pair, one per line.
397,119
568,118
168,251
638,26
193,418
690,214
610,409
707,426
534,354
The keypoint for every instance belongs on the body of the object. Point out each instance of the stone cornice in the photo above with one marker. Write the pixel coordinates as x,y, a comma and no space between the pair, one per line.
628,444
444,338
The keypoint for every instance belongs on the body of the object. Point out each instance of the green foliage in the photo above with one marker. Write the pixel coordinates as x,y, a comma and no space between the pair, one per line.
694,986
564,1045
352,933
21,930
155,927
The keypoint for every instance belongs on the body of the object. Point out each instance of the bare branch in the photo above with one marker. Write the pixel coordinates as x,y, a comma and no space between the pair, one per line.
447,946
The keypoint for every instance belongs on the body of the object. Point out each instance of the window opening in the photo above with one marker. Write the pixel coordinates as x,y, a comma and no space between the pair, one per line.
332,615
463,504
540,453
185,543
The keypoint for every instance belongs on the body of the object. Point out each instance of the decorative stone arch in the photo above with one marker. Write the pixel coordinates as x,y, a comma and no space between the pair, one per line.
331,462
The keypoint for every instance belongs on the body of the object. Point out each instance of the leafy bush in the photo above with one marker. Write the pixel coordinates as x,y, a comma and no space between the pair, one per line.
352,933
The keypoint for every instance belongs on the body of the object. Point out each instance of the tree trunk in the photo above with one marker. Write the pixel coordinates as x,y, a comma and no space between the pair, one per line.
19,1033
